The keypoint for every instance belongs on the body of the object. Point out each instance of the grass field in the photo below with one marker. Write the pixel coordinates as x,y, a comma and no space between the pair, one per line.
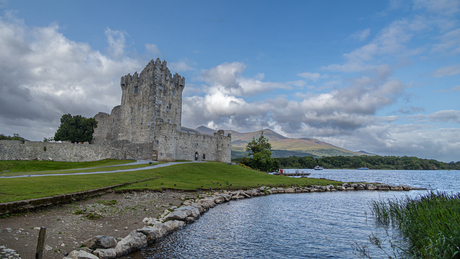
16,166
190,176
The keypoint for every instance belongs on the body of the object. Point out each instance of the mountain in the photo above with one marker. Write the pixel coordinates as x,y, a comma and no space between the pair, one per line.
283,146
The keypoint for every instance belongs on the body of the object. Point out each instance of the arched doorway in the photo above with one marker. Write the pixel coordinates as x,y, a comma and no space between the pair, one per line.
196,156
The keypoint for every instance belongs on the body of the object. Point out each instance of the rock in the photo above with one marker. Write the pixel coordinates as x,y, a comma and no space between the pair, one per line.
360,187
8,230
340,188
370,187
81,255
105,253
173,225
406,187
383,187
100,241
150,221
396,188
131,242
289,190
152,233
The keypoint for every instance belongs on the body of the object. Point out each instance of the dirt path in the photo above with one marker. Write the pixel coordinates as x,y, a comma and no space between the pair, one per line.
68,225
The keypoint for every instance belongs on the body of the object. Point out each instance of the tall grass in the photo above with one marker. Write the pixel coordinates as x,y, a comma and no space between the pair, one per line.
430,222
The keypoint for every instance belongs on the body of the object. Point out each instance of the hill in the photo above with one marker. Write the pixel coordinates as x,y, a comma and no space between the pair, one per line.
283,146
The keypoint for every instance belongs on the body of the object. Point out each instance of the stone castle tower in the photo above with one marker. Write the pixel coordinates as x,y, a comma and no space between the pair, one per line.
147,124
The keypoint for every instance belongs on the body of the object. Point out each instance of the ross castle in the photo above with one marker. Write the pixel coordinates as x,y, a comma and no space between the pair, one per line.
147,124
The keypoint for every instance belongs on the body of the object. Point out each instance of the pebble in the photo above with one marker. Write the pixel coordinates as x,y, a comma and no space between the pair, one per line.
8,253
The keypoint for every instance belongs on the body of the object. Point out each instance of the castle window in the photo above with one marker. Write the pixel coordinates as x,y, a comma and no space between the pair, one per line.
142,120
169,120
136,89
131,121
158,142
176,110
113,120
132,109
172,93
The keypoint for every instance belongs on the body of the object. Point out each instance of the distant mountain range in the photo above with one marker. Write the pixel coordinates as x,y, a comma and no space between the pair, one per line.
282,146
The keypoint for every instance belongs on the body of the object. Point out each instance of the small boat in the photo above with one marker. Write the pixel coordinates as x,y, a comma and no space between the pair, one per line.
362,168
318,167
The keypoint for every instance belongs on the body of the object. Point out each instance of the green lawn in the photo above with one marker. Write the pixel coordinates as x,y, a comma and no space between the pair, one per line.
98,169
16,166
190,176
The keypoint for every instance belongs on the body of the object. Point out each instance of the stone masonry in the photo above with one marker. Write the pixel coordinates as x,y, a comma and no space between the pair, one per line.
147,124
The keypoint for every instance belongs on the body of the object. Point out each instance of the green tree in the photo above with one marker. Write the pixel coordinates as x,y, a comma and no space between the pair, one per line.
14,137
75,128
260,155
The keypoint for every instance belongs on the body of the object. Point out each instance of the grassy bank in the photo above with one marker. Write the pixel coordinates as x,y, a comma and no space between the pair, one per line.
430,222
16,166
190,176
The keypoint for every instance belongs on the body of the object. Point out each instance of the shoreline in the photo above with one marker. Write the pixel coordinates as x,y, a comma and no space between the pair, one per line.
176,217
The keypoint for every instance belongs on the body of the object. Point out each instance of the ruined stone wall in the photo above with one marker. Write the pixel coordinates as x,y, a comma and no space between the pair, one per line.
34,150
214,147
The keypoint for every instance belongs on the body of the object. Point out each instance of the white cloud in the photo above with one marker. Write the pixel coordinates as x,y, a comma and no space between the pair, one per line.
152,49
227,78
361,35
44,75
116,40
453,89
439,116
181,66
441,7
449,43
312,76
447,71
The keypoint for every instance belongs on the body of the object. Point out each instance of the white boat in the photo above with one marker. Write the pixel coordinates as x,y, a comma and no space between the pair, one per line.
318,167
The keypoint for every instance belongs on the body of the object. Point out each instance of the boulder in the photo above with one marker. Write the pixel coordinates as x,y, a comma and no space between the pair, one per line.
134,241
79,254
383,187
105,253
150,221
173,225
370,187
152,233
396,188
340,188
289,190
100,241
406,187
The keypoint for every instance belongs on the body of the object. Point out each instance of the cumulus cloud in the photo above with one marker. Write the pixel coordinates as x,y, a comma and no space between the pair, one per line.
227,78
44,75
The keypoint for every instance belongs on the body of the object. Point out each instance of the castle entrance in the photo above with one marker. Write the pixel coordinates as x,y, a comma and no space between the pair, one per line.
155,155
196,156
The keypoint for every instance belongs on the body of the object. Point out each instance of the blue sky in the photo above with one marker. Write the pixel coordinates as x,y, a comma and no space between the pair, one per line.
380,76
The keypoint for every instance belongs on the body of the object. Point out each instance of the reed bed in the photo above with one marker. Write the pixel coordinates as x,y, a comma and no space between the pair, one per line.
430,223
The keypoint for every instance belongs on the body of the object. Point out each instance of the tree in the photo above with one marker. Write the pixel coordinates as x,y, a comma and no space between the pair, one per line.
260,150
75,128
14,137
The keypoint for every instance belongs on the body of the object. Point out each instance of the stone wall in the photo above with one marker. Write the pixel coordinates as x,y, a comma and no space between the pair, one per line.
215,148
34,150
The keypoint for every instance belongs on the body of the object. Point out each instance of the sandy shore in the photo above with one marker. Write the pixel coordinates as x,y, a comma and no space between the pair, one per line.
68,225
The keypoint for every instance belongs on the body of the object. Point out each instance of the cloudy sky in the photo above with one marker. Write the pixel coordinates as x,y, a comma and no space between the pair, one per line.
379,76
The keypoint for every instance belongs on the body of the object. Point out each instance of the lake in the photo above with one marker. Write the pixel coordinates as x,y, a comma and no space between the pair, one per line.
302,225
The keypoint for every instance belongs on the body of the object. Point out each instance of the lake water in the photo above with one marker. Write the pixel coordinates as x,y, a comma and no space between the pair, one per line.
304,225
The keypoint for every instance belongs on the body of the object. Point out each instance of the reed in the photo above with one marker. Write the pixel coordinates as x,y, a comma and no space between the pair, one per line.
430,222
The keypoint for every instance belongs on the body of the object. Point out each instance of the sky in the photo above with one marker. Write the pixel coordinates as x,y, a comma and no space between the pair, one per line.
379,76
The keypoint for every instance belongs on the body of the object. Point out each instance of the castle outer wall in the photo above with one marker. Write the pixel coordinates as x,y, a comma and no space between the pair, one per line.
68,152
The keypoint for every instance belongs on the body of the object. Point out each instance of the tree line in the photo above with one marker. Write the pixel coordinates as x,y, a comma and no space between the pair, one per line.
371,162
